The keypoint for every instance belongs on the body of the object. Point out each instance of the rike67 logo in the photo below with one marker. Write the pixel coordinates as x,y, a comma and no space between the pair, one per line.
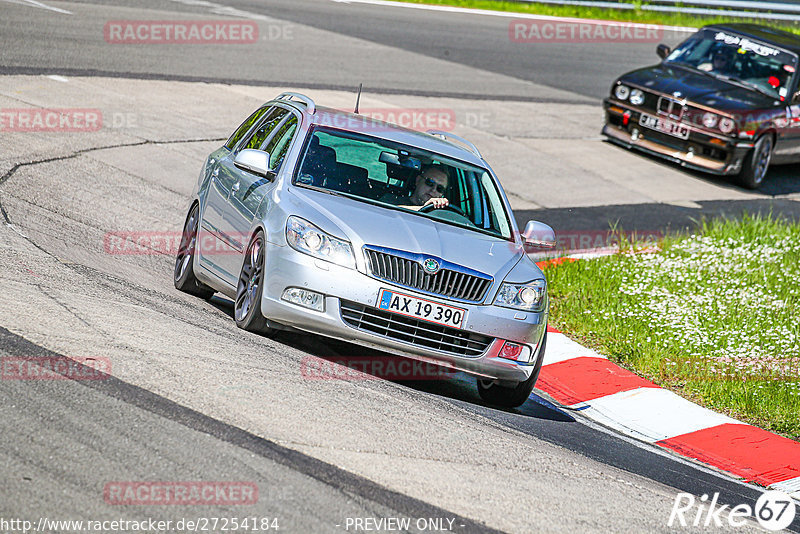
774,510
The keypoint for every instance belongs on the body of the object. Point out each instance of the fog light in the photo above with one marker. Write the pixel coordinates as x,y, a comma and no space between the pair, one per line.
513,351
304,298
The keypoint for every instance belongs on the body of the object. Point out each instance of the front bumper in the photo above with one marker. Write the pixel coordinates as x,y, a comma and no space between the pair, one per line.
286,267
702,151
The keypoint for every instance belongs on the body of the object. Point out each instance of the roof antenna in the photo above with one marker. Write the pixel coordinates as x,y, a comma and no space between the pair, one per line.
358,98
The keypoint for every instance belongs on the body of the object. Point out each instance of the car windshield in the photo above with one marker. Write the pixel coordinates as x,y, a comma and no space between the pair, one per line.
730,56
386,173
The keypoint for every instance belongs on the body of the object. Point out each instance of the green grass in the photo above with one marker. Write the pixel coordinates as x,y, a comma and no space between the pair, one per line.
626,15
713,316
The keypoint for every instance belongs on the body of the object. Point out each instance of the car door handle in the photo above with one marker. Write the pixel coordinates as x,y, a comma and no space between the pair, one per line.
235,187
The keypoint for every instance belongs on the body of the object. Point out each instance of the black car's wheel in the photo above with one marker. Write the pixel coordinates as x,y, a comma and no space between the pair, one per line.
184,277
756,163
247,308
511,397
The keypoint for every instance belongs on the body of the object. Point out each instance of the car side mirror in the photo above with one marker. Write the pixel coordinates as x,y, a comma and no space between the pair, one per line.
539,235
663,51
255,162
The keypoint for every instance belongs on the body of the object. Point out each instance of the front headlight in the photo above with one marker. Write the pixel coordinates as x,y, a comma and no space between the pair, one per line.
306,238
726,125
709,120
637,97
528,297
622,92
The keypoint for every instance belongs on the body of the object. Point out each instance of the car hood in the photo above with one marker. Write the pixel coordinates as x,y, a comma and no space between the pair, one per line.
698,88
362,224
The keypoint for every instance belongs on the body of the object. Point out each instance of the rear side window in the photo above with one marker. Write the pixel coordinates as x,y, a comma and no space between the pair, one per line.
261,133
245,127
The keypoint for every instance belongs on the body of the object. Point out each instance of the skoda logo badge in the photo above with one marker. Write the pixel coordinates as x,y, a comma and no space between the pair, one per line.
430,266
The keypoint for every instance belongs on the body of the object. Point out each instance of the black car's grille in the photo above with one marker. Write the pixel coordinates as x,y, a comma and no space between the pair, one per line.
405,269
650,102
414,331
665,139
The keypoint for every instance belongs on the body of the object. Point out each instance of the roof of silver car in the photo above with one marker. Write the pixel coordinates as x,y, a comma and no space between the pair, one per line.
436,141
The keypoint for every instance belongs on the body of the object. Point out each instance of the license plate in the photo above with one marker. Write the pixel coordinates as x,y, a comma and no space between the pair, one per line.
427,310
664,125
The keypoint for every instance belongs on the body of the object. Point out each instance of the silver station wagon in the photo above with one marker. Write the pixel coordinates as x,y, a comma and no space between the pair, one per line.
329,222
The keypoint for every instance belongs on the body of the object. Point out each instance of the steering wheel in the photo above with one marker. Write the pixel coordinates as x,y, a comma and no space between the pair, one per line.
450,207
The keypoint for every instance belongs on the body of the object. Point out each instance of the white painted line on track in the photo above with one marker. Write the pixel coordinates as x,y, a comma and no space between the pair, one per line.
510,14
791,486
561,348
650,414
58,78
228,11
34,3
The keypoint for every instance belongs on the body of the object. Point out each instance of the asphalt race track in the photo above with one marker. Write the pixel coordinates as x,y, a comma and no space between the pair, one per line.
188,396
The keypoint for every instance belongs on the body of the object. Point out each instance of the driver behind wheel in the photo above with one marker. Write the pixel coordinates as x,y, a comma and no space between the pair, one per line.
431,185
429,189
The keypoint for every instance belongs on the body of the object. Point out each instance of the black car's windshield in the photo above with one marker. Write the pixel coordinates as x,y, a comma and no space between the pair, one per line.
739,58
405,177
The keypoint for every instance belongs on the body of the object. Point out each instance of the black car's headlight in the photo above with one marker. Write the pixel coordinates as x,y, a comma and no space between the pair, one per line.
622,92
710,119
308,239
726,125
530,296
637,97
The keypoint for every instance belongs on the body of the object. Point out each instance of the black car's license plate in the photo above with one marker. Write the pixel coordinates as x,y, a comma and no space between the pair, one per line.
664,125
424,309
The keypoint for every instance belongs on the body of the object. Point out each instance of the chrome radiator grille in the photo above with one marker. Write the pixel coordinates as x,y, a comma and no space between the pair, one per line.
405,269
414,331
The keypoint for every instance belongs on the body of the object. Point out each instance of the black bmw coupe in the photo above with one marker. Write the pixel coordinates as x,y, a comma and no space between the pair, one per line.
725,101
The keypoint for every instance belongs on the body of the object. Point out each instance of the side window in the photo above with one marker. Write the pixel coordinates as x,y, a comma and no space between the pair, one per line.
263,130
278,146
245,127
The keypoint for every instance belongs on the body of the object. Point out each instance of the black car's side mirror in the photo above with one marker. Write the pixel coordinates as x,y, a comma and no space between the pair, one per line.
663,51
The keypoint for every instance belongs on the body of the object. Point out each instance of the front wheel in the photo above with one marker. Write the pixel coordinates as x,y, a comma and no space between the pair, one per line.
756,163
247,308
511,397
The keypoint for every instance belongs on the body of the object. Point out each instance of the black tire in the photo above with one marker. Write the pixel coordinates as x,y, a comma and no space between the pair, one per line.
756,163
511,397
250,288
183,275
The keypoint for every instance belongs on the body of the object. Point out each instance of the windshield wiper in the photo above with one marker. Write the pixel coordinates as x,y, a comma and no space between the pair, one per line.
753,86
719,76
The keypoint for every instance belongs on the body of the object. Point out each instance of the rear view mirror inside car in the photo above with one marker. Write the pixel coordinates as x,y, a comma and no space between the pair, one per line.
402,160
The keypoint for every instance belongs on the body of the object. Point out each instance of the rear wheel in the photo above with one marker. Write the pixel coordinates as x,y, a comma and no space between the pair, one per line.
511,397
184,277
247,309
756,163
